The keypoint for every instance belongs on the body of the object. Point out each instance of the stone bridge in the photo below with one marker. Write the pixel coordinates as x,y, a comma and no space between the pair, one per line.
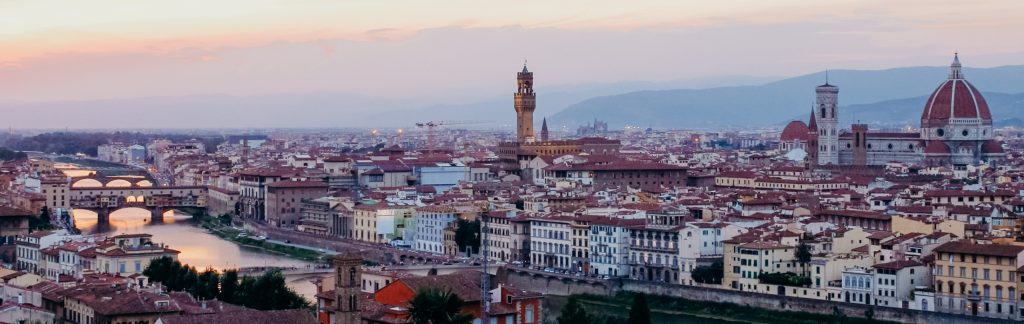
100,181
104,200
556,283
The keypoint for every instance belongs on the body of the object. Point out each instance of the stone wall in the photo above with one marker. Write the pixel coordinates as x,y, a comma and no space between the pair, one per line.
555,285
562,286
786,303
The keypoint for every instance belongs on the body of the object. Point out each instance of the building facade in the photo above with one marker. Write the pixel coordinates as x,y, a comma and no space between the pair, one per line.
956,129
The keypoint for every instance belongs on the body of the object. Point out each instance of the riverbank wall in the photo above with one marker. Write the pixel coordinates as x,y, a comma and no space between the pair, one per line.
565,286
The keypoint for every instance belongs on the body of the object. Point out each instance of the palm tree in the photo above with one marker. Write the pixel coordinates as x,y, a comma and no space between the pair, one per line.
431,306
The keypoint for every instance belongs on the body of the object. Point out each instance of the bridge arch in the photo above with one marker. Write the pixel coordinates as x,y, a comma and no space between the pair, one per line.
119,183
144,183
87,183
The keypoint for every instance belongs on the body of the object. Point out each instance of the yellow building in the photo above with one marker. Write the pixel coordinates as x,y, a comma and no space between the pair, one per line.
977,279
905,224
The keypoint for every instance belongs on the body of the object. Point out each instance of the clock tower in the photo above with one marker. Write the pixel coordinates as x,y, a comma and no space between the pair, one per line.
525,103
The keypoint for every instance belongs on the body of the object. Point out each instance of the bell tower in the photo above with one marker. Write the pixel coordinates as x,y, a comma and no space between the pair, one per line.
525,103
348,269
827,117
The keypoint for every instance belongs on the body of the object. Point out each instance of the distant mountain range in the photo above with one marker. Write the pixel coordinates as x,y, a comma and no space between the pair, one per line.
892,98
315,109
883,97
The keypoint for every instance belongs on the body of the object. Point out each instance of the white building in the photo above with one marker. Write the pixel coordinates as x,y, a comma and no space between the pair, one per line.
702,244
609,245
896,280
430,224
858,286
550,243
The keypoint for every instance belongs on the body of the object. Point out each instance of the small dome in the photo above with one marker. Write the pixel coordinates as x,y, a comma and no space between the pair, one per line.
796,130
992,147
936,147
955,98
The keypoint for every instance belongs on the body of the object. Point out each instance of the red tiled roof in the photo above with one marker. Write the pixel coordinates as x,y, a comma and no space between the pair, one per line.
7,211
980,249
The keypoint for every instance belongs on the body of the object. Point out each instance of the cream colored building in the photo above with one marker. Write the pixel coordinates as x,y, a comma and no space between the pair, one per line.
744,262
977,279
381,222
129,254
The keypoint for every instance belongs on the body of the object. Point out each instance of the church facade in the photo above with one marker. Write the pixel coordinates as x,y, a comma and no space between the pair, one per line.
956,129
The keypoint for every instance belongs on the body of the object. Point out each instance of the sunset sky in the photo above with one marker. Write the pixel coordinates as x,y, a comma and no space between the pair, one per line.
460,50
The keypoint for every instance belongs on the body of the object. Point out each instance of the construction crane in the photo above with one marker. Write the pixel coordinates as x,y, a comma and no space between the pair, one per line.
430,125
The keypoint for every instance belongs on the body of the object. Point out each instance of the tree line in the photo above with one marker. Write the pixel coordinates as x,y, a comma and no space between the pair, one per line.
7,154
575,313
265,292
86,143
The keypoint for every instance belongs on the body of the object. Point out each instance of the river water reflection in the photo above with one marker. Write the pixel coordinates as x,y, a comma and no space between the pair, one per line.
198,248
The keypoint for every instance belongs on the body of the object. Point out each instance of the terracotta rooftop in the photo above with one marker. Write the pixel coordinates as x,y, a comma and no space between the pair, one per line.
980,249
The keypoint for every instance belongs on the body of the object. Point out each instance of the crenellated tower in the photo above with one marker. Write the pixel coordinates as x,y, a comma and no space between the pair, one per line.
525,103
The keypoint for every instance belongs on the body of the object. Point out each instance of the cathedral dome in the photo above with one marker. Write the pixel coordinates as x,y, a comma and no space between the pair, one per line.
796,130
956,102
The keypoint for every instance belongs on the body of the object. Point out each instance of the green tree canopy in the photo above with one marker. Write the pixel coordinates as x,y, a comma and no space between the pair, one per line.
639,313
431,306
573,313
467,234
708,274
268,291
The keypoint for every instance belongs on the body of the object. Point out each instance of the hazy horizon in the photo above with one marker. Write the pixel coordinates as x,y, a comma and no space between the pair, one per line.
462,52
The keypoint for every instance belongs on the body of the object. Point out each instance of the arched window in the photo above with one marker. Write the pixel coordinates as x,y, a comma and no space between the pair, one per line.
352,276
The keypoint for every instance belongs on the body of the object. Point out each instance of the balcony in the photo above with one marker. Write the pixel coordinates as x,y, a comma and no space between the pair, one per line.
671,250
652,264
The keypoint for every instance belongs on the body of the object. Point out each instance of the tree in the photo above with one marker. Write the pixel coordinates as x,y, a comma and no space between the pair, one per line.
639,313
270,292
467,235
41,222
209,284
803,255
228,286
573,313
7,154
432,306
266,292
784,278
708,274
225,219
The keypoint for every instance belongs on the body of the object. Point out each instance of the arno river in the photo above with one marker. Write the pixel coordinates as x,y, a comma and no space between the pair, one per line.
198,248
